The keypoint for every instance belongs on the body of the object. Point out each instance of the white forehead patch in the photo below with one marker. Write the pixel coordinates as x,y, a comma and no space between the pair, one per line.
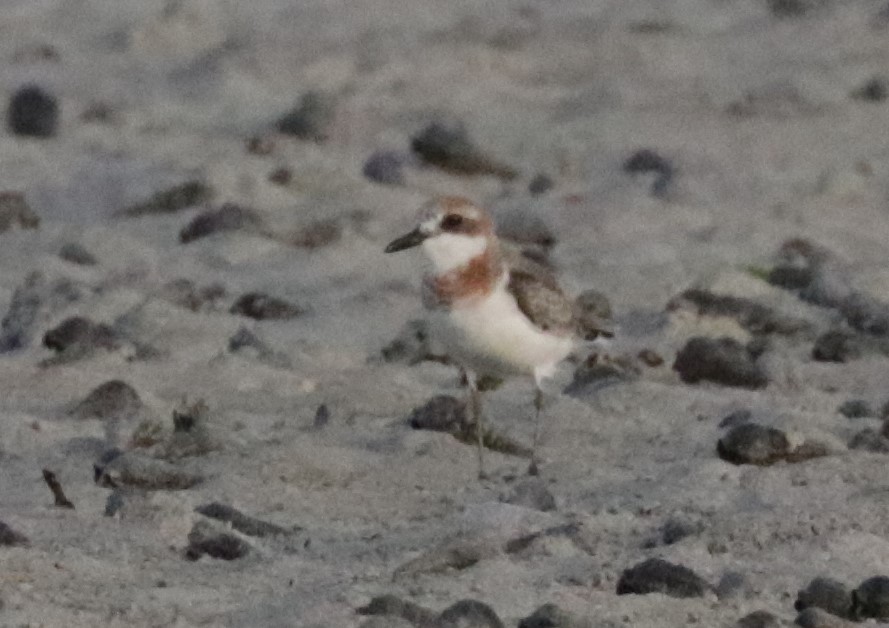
448,251
430,225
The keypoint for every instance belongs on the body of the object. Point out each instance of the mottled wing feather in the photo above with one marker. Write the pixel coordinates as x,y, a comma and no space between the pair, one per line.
540,299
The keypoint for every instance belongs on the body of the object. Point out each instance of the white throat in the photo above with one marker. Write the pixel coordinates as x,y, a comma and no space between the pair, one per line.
448,251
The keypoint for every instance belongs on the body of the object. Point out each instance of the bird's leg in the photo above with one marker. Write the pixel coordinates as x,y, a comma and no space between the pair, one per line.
538,406
475,406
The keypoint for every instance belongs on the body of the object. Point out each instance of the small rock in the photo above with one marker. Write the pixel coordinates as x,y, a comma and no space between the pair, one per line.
751,443
171,200
871,599
531,493
679,527
318,233
385,166
239,521
651,358
245,340
81,334
137,471
722,360
648,161
758,619
447,145
229,217
261,307
816,618
752,316
185,294
77,254
856,409
659,576
837,346
310,119
736,418
281,176
15,211
442,413
827,594
33,112
11,538
391,606
322,417
206,538
874,90
870,440
540,184
113,399
468,614
551,616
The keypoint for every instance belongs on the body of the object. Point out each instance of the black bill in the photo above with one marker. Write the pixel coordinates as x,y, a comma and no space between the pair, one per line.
407,241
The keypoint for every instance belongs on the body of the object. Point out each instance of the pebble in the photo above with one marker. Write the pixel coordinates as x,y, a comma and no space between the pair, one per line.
758,619
531,493
392,606
551,616
540,184
735,418
110,400
720,360
322,417
447,145
245,340
186,294
138,471
874,90
827,594
678,527
81,334
659,576
385,166
871,599
171,200
244,524
33,112
261,306
77,254
281,176
817,618
442,413
856,409
751,443
11,538
646,161
870,440
15,212
468,614
208,539
310,119
229,217
837,346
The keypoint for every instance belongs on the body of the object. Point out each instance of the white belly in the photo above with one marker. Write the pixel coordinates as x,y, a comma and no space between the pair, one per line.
491,336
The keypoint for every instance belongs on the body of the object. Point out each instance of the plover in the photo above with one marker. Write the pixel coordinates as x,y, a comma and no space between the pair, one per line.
493,311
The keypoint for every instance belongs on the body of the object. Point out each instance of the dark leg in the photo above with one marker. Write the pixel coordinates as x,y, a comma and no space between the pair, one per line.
475,406
538,406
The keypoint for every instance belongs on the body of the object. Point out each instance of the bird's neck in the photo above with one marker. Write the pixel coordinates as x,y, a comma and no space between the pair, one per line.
475,278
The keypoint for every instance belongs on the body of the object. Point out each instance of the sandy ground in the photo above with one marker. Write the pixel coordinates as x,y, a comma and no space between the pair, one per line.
753,111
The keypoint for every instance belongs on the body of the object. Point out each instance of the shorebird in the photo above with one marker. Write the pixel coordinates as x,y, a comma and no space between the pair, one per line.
492,310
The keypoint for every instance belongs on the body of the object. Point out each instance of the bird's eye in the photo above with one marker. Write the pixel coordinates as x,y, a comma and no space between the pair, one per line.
452,221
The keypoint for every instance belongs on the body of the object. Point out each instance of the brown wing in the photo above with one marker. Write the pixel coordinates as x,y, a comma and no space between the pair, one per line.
542,301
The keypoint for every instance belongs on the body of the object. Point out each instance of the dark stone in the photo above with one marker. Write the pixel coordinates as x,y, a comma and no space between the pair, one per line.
244,524
531,493
33,112
648,161
114,398
752,316
185,294
659,576
207,539
245,340
281,176
758,619
856,409
736,418
468,614
134,470
15,211
389,605
11,538
442,413
322,417
870,440
837,346
827,594
310,119
261,307
551,616
871,599
874,90
171,200
447,145
721,360
385,166
751,443
677,528
229,217
816,618
540,185
77,254
81,333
